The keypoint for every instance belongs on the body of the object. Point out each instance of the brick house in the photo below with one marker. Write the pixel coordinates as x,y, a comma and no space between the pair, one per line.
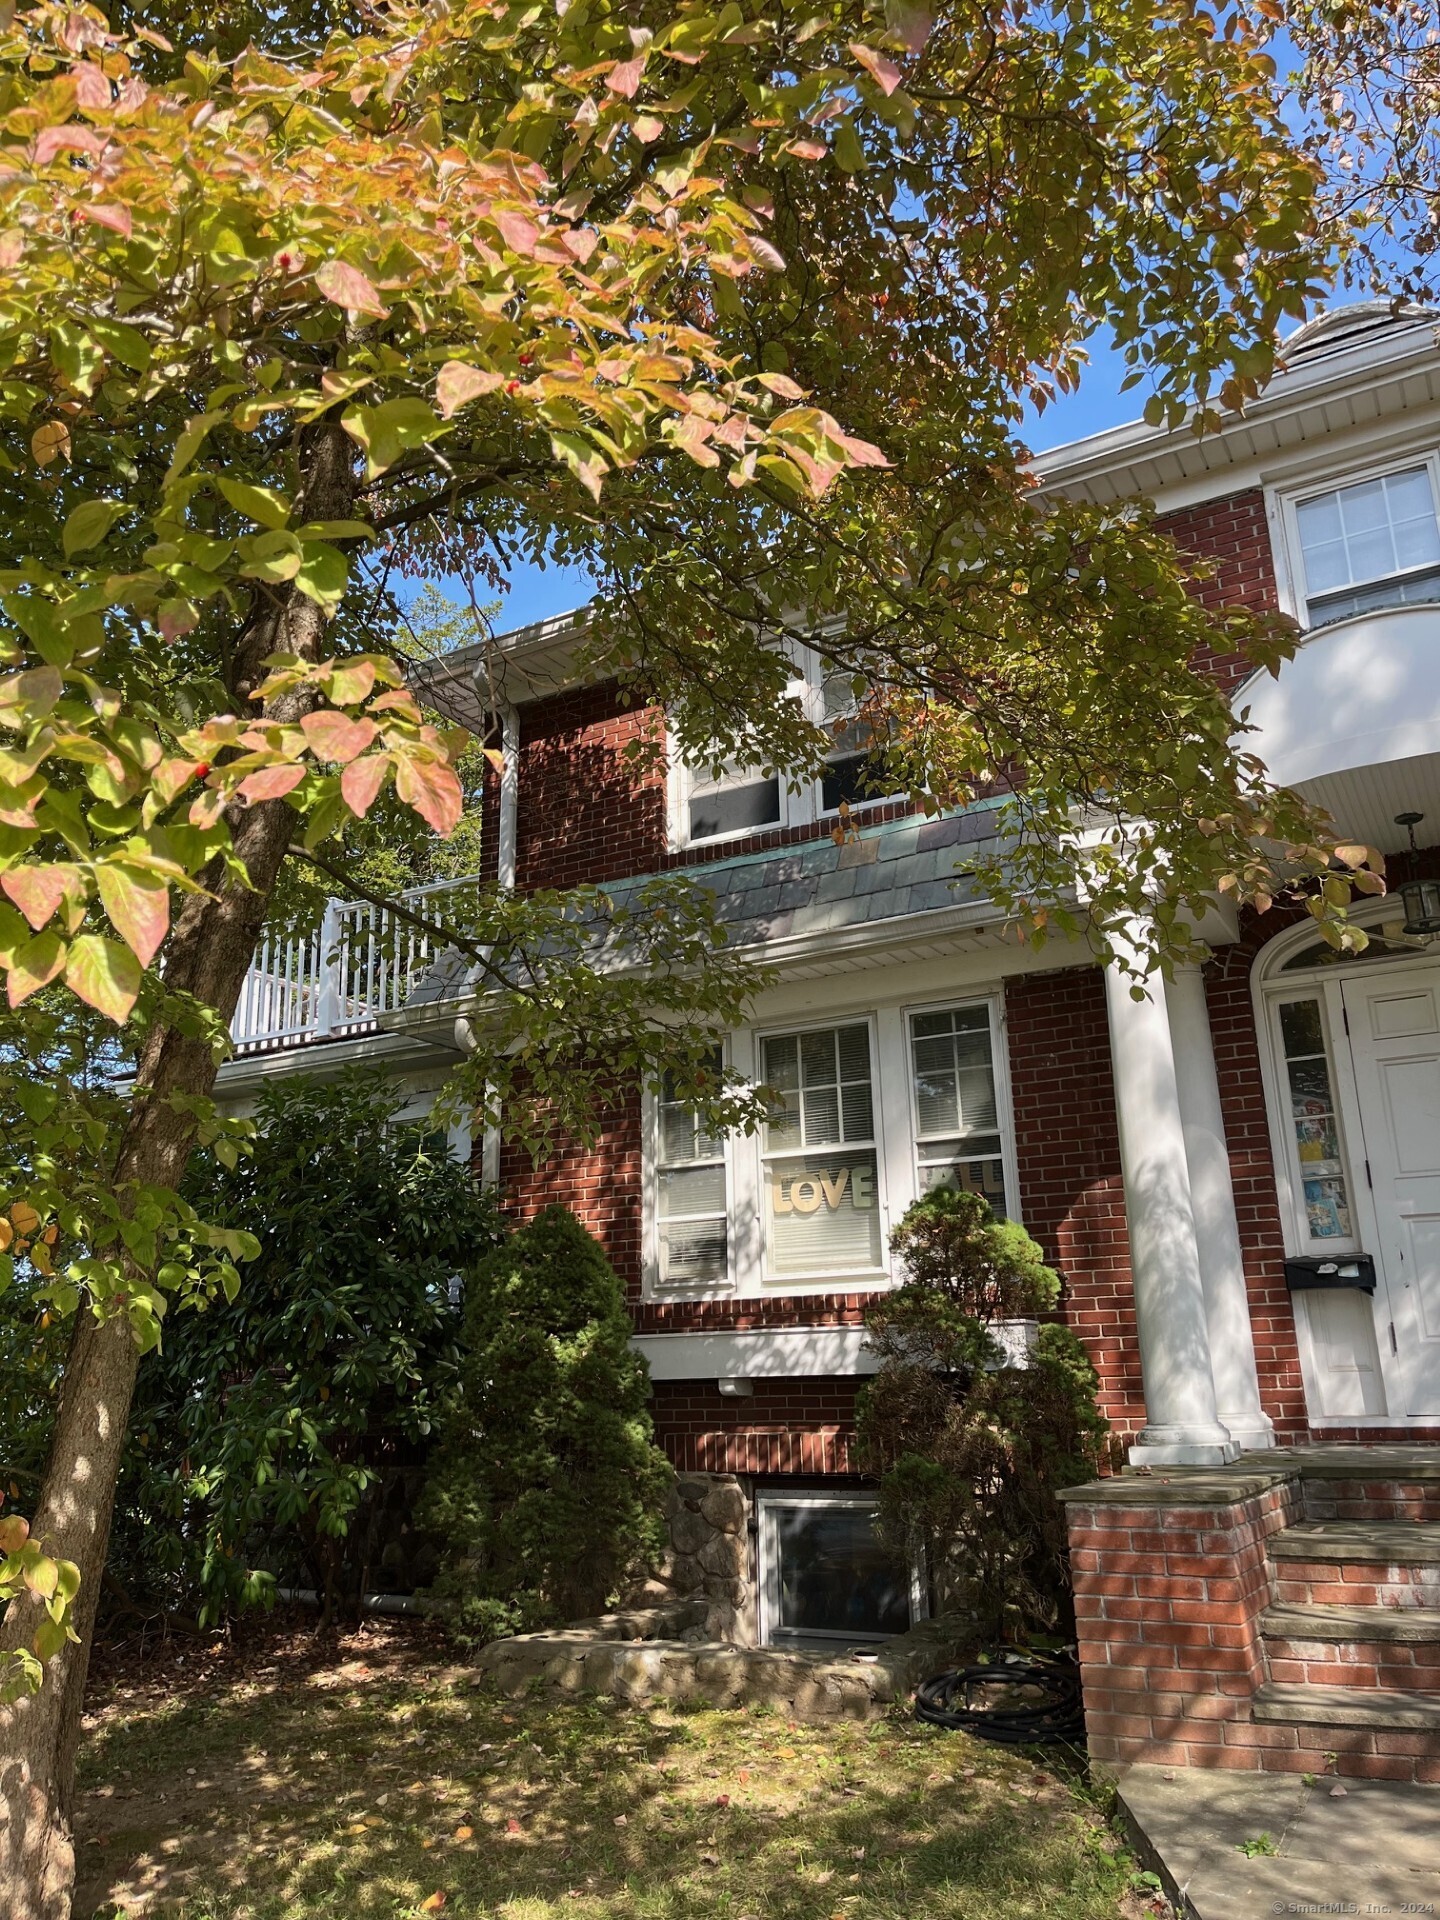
1238,1176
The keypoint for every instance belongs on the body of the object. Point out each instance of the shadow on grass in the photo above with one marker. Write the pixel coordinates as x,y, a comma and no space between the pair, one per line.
338,1795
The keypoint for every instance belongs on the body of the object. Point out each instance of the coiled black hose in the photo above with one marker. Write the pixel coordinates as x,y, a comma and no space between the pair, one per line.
1058,1716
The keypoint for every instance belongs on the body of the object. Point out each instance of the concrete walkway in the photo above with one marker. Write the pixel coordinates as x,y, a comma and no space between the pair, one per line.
1371,1849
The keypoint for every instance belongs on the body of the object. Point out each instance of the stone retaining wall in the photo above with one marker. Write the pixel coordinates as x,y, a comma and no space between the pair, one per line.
593,1657
708,1516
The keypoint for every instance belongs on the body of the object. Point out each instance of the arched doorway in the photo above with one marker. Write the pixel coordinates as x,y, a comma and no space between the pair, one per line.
1350,1048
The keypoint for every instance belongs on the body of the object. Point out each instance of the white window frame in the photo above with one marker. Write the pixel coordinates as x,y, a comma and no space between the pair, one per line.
999,1066
897,1159
801,804
459,1139
1295,596
652,1143
856,1279
1304,1241
768,1505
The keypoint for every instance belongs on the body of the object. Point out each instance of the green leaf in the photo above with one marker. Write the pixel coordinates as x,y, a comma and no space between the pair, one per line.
122,343
389,430
88,525
189,442
77,355
261,504
323,574
105,975
272,556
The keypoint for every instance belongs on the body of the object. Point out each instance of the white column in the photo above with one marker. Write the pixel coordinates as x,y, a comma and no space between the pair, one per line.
1182,1427
1212,1199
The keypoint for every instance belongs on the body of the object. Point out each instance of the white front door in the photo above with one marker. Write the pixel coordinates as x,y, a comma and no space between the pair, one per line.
1393,1020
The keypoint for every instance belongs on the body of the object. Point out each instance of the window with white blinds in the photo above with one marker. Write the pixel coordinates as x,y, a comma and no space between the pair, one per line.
692,1198
957,1110
819,1153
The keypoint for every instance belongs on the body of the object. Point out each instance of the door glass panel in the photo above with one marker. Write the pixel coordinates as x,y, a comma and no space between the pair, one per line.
1313,1121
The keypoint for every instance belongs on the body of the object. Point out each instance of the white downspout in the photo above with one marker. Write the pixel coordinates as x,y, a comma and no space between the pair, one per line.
506,842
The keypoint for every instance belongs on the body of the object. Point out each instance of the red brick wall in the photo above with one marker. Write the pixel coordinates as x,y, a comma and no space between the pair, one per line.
787,1426
1234,535
599,1184
1067,1145
585,813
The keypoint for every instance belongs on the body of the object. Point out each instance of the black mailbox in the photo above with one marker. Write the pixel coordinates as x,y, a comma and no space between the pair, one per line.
1331,1270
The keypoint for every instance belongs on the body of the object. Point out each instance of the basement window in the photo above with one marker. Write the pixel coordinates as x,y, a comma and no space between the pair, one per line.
824,1575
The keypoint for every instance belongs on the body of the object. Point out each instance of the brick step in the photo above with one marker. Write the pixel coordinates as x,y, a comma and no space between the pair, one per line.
1378,1708
1339,1624
1400,1482
1390,1543
1357,1563
1387,1647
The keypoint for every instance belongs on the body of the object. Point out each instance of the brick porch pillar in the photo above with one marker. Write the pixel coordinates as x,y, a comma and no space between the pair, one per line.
1170,1582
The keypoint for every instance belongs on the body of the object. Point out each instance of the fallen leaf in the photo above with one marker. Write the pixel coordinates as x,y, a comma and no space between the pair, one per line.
622,1819
512,1825
1337,1792
722,1799
709,1859
428,1842
432,1903
463,1833
744,1776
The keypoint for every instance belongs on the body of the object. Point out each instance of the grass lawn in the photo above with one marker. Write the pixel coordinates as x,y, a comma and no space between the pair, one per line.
371,1779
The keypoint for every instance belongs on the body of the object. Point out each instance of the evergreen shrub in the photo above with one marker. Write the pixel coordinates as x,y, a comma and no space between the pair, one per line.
971,1448
548,1487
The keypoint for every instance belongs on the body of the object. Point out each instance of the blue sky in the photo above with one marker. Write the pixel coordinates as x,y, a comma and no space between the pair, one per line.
537,592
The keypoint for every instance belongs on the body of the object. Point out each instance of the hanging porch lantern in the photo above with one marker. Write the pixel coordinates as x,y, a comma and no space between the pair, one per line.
1420,898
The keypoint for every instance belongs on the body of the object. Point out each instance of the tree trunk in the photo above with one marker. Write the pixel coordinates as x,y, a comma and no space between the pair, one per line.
209,952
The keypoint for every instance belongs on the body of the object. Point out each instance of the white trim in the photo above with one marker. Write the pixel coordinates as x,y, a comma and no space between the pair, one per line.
762,1353
1391,368
767,1506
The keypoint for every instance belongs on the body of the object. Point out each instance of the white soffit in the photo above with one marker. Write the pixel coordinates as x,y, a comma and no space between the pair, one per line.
1348,382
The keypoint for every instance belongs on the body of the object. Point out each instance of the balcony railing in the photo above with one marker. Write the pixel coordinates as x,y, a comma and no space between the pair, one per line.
362,963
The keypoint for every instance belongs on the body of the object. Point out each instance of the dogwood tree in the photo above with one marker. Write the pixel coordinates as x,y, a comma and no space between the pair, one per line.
742,301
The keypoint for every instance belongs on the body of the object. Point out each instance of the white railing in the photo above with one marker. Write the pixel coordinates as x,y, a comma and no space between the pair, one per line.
363,963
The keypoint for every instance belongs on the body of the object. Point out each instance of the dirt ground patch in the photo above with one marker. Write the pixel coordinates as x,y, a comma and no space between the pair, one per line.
367,1777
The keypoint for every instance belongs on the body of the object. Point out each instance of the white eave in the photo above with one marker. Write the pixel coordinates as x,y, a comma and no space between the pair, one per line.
1387,373
482,679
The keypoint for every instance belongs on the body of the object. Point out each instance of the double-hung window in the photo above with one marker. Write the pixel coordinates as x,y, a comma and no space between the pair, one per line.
856,772
957,1114
736,800
1373,544
691,1198
818,1153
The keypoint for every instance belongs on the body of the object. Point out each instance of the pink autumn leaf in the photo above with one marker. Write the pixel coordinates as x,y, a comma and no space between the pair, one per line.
517,230
333,736
624,77
458,384
433,789
346,286
272,783
361,782
117,218
138,905
883,72
37,891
